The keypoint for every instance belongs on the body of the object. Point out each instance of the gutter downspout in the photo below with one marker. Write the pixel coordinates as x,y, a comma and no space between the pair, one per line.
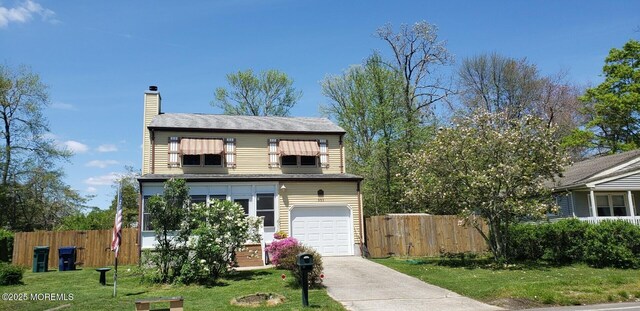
342,154
362,234
153,152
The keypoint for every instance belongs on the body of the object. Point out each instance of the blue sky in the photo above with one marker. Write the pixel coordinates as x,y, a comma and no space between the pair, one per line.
98,57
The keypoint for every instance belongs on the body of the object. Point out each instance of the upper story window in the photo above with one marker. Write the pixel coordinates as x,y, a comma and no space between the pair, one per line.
308,161
289,160
305,153
201,152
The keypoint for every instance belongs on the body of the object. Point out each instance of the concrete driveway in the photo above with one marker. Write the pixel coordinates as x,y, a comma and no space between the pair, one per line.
360,284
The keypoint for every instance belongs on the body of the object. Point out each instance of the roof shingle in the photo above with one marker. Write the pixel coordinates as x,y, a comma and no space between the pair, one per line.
243,123
581,172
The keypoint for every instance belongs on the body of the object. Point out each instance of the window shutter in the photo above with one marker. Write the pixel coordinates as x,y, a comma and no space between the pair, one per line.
174,152
230,152
273,153
324,153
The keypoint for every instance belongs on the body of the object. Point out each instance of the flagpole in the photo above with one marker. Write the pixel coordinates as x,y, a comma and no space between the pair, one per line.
117,238
115,278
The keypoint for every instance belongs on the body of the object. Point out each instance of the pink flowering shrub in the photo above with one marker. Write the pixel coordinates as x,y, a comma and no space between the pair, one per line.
278,247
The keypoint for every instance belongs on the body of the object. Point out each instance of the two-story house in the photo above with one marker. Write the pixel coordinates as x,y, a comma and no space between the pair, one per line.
288,170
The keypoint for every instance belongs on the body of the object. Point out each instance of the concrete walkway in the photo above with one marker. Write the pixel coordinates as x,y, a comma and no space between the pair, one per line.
360,284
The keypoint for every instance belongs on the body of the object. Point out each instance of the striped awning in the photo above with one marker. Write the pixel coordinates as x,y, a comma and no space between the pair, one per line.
299,147
201,146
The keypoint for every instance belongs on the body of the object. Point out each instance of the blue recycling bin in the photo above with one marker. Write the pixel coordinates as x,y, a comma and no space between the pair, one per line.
67,258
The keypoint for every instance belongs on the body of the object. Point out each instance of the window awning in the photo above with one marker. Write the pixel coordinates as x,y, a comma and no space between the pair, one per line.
201,146
299,147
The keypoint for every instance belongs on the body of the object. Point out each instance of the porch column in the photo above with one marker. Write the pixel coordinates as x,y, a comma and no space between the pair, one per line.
632,206
594,212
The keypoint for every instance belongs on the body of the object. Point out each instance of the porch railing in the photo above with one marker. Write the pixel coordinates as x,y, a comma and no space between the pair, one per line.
596,220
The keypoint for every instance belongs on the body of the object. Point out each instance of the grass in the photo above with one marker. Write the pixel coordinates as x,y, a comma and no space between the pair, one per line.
88,294
530,284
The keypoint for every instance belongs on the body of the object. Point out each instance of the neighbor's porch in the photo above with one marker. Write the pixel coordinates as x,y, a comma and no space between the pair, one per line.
595,206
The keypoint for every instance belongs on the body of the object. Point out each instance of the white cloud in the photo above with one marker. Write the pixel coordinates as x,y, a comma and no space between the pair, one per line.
24,12
102,180
101,163
107,148
75,147
91,190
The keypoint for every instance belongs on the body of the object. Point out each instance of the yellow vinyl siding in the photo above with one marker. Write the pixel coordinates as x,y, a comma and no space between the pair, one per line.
151,109
306,192
252,156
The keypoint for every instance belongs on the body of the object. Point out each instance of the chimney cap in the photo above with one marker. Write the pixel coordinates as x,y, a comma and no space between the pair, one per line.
153,88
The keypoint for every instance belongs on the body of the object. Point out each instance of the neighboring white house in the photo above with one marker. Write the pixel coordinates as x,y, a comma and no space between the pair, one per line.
600,188
288,170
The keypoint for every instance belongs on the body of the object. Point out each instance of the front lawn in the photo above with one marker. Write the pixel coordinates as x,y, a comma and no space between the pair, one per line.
88,294
522,286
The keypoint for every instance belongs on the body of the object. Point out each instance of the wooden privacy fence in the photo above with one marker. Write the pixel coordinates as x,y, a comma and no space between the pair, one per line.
421,235
93,247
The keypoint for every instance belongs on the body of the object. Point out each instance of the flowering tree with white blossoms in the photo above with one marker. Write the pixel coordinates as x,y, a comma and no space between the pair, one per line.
487,166
220,229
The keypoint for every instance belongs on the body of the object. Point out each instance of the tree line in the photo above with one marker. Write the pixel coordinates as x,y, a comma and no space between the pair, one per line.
33,194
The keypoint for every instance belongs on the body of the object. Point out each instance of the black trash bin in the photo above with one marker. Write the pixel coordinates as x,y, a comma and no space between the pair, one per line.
40,258
67,258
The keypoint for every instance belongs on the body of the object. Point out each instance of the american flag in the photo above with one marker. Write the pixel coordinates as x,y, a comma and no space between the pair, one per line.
115,241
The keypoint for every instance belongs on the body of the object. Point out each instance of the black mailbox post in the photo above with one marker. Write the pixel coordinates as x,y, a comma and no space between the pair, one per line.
305,264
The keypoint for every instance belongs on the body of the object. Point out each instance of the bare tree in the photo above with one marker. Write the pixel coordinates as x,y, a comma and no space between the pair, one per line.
499,84
417,53
495,83
559,104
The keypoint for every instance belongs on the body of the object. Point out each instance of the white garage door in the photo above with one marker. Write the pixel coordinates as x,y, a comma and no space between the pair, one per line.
325,228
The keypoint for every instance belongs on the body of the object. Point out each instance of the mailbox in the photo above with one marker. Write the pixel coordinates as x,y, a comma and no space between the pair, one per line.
305,262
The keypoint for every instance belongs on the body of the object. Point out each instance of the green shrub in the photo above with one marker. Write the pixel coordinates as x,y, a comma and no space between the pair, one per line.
608,244
6,245
10,274
288,261
613,244
526,242
565,241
